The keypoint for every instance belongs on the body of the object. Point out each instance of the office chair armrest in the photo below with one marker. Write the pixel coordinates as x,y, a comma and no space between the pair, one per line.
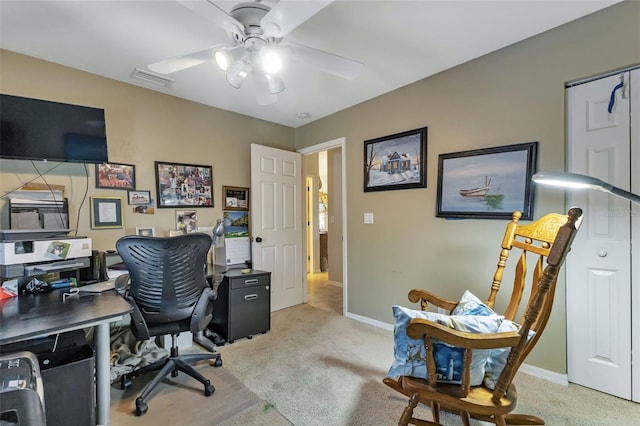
202,313
425,297
121,285
138,324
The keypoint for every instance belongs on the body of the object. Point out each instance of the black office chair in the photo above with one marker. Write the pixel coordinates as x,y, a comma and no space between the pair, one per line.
170,294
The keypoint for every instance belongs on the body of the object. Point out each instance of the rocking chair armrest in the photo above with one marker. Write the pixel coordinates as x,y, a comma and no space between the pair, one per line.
420,327
425,297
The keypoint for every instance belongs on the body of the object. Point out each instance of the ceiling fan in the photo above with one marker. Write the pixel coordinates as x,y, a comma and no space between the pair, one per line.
256,46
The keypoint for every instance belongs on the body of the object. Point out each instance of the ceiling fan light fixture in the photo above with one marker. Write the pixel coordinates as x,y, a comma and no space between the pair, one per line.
271,61
222,59
276,85
238,73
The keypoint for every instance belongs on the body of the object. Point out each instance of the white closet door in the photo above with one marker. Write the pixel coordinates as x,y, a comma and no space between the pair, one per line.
599,268
635,232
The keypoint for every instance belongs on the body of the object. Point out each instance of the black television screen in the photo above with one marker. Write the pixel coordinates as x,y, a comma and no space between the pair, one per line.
34,129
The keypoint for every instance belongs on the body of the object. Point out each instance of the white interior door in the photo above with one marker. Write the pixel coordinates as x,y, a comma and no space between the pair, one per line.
599,268
276,208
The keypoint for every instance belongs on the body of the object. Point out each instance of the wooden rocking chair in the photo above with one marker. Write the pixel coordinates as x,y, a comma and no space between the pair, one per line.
548,238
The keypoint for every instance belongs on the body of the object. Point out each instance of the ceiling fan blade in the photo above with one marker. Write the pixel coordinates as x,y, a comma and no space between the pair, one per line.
169,66
288,14
325,61
209,10
261,85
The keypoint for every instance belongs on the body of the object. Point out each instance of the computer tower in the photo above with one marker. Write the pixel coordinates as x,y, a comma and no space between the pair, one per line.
69,386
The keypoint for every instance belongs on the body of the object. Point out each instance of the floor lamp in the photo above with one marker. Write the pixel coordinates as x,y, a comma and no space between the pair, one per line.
576,181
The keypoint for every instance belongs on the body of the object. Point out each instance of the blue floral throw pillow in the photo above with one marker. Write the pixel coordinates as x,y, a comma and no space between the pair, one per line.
410,355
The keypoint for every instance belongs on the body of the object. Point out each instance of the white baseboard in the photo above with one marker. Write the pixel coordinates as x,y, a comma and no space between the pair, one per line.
541,373
334,283
370,321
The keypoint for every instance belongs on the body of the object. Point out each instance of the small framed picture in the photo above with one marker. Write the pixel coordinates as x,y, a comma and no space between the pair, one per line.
115,176
138,198
186,221
106,213
235,198
145,232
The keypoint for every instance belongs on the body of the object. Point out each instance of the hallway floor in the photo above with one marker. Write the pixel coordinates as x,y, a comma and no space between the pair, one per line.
324,295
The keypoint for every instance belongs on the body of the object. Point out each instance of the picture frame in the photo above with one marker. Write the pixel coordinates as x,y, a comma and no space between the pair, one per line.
106,213
488,183
396,161
183,185
186,221
139,198
145,232
235,198
115,176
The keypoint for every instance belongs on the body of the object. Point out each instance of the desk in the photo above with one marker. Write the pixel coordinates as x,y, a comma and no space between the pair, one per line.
29,316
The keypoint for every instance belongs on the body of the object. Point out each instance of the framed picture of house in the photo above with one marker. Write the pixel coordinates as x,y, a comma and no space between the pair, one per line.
396,161
488,183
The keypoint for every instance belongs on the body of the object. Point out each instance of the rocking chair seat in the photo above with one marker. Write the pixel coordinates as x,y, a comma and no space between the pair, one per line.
448,395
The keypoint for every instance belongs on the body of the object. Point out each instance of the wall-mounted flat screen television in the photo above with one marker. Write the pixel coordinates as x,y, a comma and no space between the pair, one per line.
34,129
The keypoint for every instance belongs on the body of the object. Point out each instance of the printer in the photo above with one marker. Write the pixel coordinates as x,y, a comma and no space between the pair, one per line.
41,251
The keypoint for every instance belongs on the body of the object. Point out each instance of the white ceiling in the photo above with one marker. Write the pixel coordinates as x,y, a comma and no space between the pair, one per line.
399,42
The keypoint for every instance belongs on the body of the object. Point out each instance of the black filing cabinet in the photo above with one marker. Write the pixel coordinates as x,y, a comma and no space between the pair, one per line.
243,306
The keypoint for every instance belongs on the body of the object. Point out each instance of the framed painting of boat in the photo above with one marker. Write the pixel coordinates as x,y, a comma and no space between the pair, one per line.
396,161
489,183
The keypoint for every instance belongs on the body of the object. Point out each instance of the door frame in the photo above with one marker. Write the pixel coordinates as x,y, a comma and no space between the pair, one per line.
325,146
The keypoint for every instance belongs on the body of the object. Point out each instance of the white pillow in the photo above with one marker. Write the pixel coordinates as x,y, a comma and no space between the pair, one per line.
498,357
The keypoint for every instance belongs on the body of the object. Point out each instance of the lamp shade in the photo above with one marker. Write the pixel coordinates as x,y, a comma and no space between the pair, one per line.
578,181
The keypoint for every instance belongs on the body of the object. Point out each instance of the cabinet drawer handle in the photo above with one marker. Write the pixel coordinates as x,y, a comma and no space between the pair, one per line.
253,281
251,297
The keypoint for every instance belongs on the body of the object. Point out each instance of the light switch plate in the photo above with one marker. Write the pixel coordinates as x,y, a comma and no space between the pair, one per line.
368,218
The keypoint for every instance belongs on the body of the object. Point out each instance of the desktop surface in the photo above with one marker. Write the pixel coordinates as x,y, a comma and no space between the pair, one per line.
33,315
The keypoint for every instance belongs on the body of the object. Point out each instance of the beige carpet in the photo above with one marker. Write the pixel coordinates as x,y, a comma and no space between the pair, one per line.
316,367
319,368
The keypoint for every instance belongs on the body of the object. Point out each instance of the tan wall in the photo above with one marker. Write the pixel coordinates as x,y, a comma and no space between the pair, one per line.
142,126
510,96
334,170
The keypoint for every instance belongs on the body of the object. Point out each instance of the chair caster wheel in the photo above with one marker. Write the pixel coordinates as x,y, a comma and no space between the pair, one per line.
209,389
141,407
218,362
125,382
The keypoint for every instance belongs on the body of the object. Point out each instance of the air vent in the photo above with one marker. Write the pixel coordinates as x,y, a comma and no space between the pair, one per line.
152,78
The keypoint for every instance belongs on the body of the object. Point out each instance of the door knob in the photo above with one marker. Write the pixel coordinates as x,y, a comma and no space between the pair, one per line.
258,239
602,253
